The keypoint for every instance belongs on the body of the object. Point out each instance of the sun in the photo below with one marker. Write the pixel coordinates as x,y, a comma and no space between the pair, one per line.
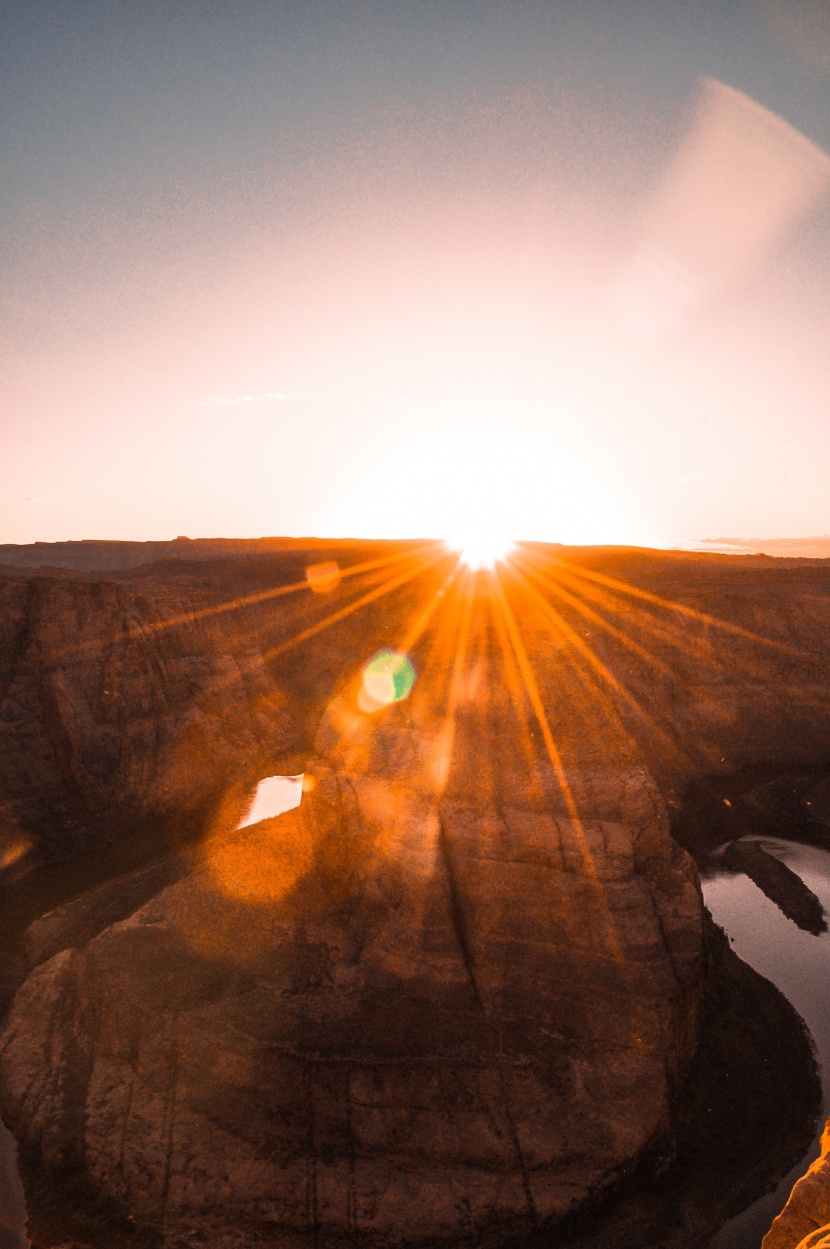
483,549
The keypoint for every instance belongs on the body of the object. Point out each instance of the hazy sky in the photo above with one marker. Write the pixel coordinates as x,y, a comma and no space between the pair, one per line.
409,268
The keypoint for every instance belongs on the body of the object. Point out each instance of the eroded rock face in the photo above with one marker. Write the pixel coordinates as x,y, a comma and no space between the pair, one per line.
108,714
140,700
447,998
804,1223
451,996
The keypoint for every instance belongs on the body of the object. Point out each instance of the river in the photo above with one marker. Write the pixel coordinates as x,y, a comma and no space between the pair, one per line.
798,964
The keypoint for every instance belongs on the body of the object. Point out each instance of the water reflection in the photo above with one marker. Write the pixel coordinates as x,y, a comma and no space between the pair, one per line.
798,963
274,794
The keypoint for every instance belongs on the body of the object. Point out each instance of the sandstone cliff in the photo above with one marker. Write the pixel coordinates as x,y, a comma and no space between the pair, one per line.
108,718
135,704
804,1223
430,1005
455,993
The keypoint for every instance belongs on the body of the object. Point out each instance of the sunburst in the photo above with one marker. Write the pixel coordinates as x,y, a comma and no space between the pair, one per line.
484,549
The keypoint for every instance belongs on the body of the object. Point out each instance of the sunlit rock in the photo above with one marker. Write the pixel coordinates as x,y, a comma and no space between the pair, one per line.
804,1223
429,1004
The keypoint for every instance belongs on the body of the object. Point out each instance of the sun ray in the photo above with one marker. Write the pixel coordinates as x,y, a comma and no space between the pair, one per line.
371,703
570,634
684,610
387,587
446,735
596,618
417,630
250,600
516,689
634,613
597,667
704,648
669,632
555,757
423,565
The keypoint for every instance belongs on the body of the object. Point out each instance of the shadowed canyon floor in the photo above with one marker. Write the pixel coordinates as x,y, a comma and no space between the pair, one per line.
455,995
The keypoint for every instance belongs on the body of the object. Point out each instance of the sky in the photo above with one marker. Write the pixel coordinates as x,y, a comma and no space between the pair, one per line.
558,271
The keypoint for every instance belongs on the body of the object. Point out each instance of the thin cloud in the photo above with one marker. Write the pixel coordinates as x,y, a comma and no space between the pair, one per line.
236,401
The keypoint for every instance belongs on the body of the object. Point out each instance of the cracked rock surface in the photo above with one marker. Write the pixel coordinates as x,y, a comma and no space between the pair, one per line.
440,1001
449,998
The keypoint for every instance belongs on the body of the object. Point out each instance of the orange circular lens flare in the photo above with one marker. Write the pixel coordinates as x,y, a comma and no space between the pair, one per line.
323,577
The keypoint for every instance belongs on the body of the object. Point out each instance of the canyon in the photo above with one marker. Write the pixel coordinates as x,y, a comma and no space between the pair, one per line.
456,995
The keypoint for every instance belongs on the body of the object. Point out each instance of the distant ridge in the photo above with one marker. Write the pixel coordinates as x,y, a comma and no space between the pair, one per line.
783,548
102,555
98,555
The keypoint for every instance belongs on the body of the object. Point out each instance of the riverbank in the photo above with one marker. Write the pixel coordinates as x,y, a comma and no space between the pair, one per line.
746,1113
782,825
749,1109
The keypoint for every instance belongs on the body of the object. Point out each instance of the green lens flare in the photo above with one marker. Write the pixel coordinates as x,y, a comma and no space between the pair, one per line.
389,677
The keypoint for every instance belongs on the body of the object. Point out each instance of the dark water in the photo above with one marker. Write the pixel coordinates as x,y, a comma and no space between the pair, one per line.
798,964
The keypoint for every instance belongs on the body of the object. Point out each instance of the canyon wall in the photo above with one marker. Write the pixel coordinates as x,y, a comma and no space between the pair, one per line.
144,698
447,999
454,995
107,717
804,1223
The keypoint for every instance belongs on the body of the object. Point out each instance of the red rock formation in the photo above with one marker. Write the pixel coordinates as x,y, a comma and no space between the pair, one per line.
108,717
804,1223
406,1013
140,701
453,995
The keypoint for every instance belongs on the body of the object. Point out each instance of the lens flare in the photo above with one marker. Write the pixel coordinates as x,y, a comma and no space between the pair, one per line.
387,679
323,577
